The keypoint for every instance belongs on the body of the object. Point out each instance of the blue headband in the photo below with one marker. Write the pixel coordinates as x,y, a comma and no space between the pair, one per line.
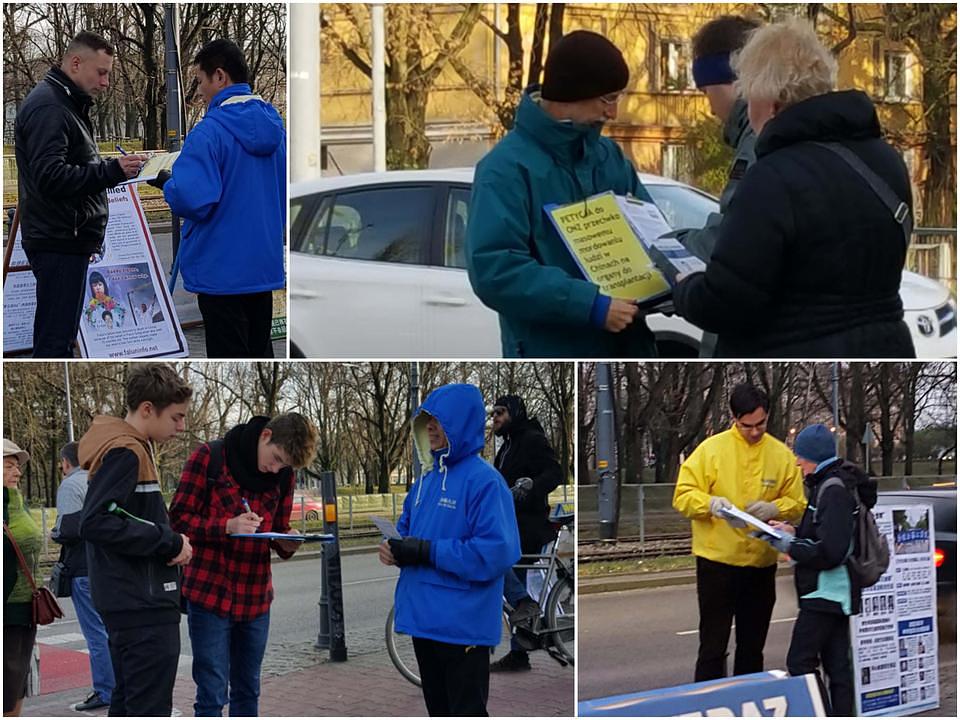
713,70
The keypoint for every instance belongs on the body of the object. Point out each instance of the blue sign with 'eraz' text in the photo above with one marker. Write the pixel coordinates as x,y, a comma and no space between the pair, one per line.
767,694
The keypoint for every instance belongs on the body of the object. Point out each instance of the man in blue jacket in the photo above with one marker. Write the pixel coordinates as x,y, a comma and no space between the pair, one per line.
517,263
229,185
459,538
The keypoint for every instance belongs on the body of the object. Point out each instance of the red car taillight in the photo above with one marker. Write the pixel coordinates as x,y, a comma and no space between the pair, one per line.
938,557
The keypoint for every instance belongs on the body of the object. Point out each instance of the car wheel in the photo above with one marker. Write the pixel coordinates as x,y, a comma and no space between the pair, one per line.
313,515
674,349
296,352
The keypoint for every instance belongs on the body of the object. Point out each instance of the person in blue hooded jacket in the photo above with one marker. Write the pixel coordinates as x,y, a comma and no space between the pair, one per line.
459,538
517,263
229,186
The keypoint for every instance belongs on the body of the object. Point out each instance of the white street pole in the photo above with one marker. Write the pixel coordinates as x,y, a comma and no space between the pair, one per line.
378,54
304,91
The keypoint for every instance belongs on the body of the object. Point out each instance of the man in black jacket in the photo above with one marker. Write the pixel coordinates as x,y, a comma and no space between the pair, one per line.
530,467
827,592
133,556
62,183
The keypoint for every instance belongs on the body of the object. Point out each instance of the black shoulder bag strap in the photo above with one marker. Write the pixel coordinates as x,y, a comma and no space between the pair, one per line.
899,209
215,465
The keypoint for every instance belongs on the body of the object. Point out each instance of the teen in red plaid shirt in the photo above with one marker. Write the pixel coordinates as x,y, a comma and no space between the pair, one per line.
228,587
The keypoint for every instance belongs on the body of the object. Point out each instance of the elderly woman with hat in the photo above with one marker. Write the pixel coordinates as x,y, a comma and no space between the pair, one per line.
19,630
809,255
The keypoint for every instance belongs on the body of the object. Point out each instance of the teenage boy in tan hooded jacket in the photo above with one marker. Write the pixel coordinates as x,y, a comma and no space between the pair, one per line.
133,556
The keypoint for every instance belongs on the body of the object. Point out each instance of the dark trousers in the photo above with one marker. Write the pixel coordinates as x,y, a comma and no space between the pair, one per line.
821,638
145,668
61,287
237,326
455,679
724,593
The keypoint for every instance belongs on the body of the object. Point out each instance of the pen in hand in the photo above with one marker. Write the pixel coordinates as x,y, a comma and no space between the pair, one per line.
120,149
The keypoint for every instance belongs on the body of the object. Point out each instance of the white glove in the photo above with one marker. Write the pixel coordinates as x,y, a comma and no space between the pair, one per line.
763,510
717,503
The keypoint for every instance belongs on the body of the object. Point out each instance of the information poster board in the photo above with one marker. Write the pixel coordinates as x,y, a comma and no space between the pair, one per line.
128,311
895,635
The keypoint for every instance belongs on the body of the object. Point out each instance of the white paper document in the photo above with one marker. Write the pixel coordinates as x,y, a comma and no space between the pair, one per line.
755,523
386,528
153,166
644,217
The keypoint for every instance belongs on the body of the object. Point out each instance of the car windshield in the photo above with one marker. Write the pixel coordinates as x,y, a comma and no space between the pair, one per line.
683,207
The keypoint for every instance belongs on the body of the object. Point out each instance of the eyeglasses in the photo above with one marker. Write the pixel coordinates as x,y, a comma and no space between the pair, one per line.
753,426
498,411
612,98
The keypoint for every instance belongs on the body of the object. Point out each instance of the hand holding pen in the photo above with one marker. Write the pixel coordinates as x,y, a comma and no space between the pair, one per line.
246,522
130,164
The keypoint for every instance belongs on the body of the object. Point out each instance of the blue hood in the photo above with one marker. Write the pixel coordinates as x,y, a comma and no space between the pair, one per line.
461,505
255,124
460,411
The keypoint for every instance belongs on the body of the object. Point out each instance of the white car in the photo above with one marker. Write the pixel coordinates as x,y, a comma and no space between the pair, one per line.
377,270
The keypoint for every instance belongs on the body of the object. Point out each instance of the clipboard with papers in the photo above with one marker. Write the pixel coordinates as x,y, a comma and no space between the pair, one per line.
617,242
315,537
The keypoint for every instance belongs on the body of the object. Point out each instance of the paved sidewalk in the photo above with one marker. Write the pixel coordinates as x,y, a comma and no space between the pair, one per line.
304,683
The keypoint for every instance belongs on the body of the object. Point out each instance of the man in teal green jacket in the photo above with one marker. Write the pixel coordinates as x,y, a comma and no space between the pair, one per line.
517,263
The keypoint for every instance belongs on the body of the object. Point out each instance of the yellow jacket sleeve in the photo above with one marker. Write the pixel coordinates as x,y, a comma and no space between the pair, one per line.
690,497
791,502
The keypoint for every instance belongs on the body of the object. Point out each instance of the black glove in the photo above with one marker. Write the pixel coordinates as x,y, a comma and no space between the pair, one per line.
521,488
410,551
160,180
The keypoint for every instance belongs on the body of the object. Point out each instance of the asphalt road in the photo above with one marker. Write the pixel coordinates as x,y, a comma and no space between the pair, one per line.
644,639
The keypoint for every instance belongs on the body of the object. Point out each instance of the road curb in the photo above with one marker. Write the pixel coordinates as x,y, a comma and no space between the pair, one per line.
620,583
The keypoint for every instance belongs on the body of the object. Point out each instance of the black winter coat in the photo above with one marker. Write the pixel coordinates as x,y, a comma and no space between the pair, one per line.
525,452
826,534
130,581
808,261
61,179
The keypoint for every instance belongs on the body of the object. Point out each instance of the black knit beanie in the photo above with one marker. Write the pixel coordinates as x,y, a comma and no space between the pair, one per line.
583,65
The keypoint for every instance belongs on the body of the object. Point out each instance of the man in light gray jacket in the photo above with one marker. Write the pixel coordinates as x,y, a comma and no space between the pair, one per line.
713,45
70,496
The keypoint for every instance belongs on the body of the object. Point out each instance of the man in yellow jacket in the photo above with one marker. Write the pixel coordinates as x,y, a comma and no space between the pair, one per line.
736,573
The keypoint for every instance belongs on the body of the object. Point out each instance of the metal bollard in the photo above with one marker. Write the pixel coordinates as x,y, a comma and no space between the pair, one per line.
332,635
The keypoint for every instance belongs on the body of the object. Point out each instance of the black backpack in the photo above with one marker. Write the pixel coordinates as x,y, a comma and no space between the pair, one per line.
870,555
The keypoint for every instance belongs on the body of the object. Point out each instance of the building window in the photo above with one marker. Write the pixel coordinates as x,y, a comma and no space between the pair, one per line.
676,65
676,163
898,77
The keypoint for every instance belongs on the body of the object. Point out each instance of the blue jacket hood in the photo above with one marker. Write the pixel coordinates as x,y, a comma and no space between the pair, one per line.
253,122
461,505
460,411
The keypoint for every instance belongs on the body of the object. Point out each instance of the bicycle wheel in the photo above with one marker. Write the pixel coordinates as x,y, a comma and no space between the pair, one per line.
400,649
561,619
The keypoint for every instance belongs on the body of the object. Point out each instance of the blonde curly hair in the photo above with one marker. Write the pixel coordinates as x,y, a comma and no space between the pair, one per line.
784,63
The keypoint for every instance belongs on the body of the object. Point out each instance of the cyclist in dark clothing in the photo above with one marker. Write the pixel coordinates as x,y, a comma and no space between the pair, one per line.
530,467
